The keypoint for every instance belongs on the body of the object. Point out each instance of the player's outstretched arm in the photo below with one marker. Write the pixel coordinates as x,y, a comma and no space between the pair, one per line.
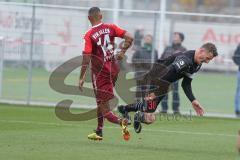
187,88
85,63
128,40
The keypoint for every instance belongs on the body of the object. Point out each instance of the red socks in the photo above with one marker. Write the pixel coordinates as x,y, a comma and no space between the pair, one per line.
111,117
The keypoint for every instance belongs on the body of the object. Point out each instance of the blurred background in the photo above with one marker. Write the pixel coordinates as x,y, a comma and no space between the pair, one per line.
37,36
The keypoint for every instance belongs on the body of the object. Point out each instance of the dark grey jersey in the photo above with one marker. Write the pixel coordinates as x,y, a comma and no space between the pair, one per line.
180,65
171,69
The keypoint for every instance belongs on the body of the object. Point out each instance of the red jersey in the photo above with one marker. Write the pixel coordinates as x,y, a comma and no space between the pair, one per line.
99,43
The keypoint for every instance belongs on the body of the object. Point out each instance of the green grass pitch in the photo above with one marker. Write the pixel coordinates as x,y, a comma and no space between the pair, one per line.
214,91
29,133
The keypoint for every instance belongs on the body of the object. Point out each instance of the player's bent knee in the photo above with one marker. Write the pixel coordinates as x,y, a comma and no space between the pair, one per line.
104,107
149,118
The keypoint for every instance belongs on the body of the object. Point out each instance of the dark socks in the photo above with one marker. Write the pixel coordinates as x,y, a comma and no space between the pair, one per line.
134,107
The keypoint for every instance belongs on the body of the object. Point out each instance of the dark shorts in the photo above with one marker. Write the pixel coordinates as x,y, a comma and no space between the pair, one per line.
151,106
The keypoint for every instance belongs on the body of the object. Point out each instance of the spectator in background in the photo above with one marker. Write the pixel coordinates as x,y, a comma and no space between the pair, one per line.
141,62
176,47
138,36
236,59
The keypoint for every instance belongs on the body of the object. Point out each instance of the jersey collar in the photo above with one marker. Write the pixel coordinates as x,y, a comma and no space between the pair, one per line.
97,25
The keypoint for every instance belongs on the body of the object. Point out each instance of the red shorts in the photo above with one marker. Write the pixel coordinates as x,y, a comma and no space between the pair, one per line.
103,87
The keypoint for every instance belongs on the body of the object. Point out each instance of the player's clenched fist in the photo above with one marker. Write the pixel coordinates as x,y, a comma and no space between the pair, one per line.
120,55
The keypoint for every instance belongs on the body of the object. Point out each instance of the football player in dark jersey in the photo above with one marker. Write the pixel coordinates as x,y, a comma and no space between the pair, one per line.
163,73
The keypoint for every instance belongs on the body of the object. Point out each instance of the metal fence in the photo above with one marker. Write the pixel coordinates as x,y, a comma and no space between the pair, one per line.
36,38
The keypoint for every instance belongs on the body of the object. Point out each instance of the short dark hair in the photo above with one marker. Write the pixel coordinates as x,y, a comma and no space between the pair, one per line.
181,35
93,11
210,47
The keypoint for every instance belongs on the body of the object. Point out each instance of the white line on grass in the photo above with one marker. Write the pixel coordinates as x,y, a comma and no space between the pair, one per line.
148,130
192,133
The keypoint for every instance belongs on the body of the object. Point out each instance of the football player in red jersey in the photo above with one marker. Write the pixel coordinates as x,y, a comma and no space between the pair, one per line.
99,50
